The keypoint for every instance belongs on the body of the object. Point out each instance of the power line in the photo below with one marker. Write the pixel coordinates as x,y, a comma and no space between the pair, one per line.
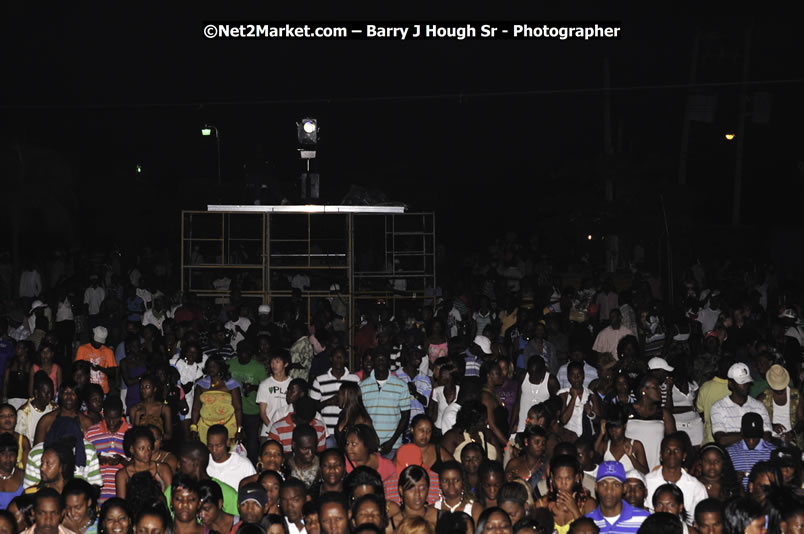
397,98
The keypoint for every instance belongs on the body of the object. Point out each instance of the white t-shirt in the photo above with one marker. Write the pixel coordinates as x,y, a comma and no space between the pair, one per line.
189,372
237,337
271,398
438,396
450,416
232,471
64,312
93,297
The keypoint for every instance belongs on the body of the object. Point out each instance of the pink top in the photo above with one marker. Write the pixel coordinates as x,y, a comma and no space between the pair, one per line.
53,370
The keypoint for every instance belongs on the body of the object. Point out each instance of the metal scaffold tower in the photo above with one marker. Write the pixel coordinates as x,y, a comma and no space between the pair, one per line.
371,253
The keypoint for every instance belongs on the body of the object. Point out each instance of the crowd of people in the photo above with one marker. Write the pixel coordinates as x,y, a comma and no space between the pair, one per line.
512,405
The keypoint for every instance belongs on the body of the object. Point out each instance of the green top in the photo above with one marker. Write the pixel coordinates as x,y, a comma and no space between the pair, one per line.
229,497
251,373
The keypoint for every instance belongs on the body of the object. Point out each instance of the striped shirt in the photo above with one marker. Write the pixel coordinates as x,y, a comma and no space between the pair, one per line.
473,364
324,387
282,431
385,405
630,520
423,387
744,458
727,416
90,472
107,443
225,351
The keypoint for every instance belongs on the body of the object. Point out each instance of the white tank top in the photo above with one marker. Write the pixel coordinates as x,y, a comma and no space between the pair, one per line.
531,394
625,460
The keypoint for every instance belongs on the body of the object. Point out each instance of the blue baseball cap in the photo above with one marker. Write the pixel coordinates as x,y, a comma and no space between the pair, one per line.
611,469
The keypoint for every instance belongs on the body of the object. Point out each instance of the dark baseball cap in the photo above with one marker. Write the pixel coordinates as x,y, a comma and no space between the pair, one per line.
253,491
752,426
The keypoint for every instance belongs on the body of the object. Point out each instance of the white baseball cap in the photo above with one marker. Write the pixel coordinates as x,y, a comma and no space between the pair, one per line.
739,373
484,344
264,309
659,363
99,334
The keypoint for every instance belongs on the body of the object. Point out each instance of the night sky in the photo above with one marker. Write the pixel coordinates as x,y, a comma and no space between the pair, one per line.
493,135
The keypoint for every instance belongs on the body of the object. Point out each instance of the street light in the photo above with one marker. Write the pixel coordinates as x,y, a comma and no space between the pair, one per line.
206,131
729,136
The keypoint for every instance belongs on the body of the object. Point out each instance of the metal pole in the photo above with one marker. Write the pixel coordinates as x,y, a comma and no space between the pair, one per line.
685,131
218,143
738,167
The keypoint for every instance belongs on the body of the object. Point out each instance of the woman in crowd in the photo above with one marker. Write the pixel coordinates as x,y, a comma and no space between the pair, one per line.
11,477
716,472
80,506
151,408
270,458
332,470
494,520
45,361
648,422
681,401
16,375
491,476
139,444
454,494
433,455
361,449
436,343
132,368
470,426
578,404
669,498
8,422
445,393
162,456
353,412
531,465
370,509
613,445
210,511
115,518
744,516
471,458
414,485
566,498
217,401
154,519
92,396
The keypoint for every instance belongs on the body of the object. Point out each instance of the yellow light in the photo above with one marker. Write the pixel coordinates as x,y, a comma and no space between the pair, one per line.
729,136
589,237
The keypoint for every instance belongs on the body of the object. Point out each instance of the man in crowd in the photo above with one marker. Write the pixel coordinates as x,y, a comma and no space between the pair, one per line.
751,449
107,437
607,340
673,455
193,461
326,386
727,413
613,514
223,464
249,373
101,360
387,400
303,413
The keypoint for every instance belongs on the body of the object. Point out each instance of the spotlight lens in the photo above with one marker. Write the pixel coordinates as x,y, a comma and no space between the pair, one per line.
729,136
309,126
589,237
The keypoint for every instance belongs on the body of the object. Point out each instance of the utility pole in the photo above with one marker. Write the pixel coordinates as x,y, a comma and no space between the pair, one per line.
685,130
738,167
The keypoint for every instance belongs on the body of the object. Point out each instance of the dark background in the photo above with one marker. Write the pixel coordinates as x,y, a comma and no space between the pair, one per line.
492,135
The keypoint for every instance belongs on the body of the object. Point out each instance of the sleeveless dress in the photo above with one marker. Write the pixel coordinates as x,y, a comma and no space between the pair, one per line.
625,460
216,408
7,496
650,432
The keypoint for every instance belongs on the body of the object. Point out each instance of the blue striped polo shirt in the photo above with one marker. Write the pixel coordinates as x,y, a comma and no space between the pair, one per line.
385,405
630,520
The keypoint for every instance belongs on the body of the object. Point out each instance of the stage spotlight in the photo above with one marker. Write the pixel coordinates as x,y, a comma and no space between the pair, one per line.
307,131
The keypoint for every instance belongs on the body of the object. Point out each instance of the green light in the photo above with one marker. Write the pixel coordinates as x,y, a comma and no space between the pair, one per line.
139,169
206,132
